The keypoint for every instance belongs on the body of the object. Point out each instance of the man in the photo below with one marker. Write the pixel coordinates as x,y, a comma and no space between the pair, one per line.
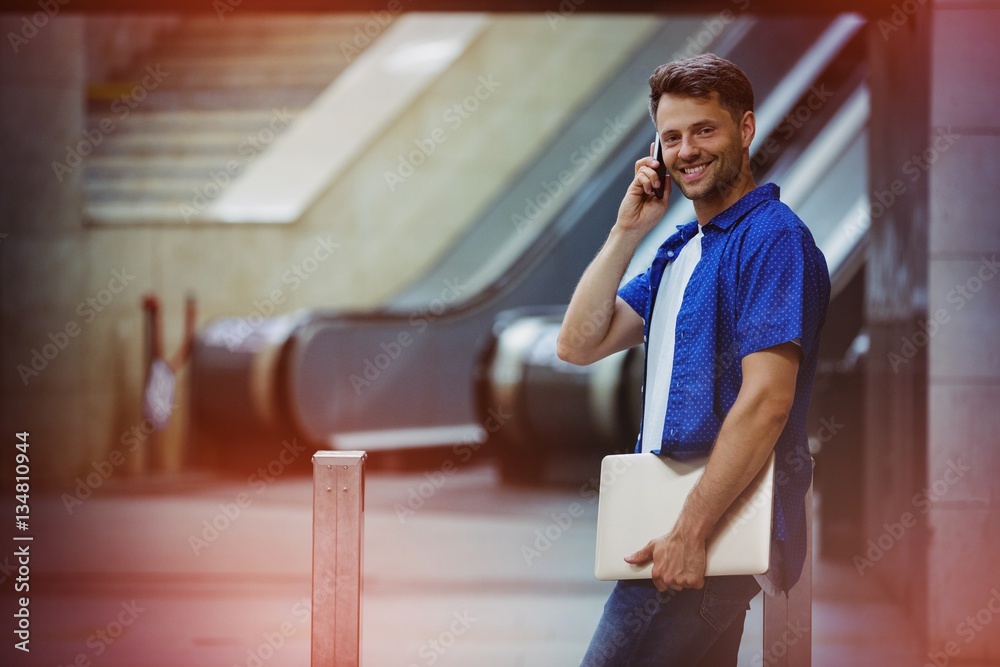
730,312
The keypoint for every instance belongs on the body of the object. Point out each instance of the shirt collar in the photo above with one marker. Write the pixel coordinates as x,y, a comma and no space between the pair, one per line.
723,221
734,213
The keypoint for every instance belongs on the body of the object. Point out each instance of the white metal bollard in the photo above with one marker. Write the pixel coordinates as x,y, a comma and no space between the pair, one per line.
788,617
338,536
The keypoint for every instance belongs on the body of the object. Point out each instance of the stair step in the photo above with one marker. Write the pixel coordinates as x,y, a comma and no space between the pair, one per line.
210,98
101,167
217,142
309,75
267,61
133,213
140,122
176,68
177,190
240,45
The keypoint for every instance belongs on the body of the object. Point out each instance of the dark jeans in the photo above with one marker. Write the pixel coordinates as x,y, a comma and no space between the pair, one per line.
689,628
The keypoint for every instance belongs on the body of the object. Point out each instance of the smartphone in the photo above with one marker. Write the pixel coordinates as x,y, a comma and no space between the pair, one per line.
661,171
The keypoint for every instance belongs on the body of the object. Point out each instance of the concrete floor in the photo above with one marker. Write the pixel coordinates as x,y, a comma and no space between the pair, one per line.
121,581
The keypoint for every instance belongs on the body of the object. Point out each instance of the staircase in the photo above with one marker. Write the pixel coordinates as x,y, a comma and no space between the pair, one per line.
177,125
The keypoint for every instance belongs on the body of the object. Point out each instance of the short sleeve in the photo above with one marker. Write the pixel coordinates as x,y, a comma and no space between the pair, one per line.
770,292
636,293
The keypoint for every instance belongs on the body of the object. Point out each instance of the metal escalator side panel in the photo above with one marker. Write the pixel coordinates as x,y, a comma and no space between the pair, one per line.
358,377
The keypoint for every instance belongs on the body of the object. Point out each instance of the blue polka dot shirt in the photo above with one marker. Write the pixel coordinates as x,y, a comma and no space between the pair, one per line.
761,282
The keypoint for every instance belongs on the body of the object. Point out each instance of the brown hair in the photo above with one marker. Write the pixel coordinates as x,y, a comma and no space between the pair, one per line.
701,76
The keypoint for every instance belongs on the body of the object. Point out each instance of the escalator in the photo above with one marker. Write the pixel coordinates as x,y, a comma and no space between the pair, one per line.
422,370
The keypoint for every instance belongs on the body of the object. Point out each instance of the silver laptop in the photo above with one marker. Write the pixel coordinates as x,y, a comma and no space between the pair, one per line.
641,498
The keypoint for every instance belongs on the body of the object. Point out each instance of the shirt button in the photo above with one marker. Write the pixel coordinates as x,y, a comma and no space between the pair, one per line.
670,253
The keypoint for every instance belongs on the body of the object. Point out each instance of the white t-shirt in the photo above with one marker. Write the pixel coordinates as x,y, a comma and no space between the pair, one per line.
660,362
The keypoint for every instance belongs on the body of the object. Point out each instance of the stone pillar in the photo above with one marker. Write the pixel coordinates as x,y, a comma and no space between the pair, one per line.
933,305
896,301
963,391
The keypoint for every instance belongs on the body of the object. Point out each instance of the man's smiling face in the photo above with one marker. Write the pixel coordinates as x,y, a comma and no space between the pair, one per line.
703,147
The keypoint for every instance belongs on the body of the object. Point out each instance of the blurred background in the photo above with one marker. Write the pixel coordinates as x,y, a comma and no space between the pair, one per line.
232,237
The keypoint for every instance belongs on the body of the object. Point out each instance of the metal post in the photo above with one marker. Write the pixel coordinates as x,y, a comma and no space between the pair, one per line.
338,523
788,617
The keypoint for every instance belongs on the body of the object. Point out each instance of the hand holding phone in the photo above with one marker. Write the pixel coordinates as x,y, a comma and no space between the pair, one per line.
644,204
661,169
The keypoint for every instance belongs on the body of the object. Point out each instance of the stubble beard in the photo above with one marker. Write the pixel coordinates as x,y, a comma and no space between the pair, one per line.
725,168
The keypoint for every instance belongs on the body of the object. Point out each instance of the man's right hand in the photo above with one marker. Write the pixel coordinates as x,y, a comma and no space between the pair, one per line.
597,321
641,210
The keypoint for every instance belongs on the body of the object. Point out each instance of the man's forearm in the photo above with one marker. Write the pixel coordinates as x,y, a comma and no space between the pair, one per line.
748,434
589,315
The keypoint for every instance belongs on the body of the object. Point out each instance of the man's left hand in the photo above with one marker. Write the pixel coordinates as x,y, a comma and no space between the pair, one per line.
678,562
